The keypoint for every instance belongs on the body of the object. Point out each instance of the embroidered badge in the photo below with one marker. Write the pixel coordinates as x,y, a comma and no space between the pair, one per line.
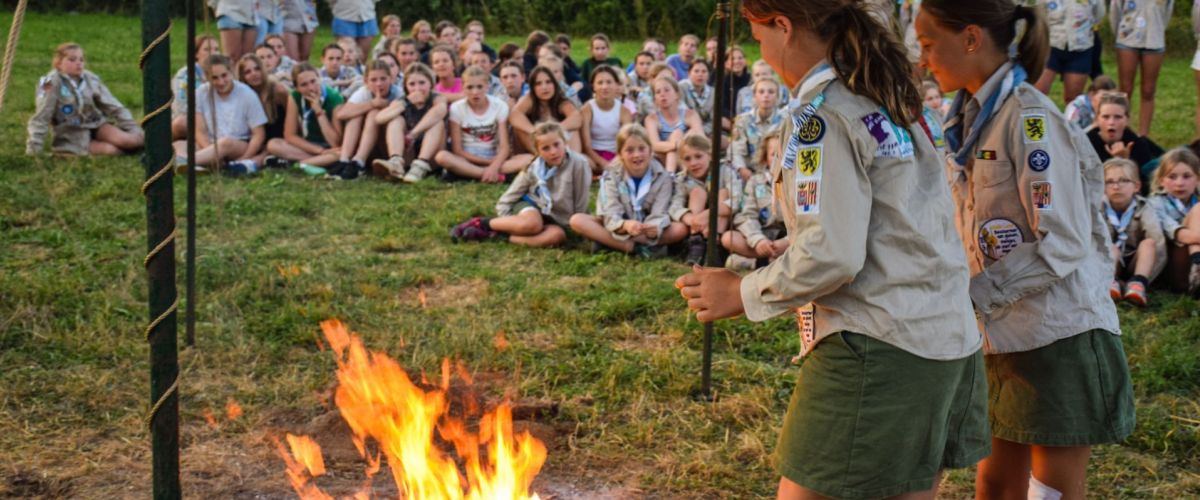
805,322
68,109
1034,127
985,154
997,237
807,197
1041,192
813,131
809,161
894,142
1039,160
761,191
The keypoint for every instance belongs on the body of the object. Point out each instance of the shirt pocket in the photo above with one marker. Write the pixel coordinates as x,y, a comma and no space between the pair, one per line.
991,173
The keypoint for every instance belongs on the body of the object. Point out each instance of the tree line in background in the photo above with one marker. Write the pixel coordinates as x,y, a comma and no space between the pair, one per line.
628,19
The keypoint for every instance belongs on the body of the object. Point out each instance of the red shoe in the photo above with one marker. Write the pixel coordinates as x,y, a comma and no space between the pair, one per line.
1114,290
1135,292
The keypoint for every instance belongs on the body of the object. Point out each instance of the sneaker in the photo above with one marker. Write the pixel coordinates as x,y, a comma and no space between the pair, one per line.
275,162
1135,292
739,263
471,230
1114,290
311,170
696,246
240,168
1194,281
391,168
417,171
649,251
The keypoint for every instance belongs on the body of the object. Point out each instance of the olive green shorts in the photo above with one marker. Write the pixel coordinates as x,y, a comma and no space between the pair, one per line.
1074,392
870,420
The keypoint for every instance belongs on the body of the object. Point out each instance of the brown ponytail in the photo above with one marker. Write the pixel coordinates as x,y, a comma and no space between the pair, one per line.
999,18
866,55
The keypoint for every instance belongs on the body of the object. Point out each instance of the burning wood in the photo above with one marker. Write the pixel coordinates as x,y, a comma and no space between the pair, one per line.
382,405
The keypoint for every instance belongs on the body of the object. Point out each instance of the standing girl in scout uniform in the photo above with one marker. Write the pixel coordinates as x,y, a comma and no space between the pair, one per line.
759,231
206,46
1176,196
689,203
892,388
631,208
85,117
750,127
1028,192
1140,27
1071,24
239,28
537,208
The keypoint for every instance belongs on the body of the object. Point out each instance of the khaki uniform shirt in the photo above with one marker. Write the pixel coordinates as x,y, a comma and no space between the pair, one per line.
759,209
353,10
685,183
1141,24
1030,213
73,111
1071,23
569,190
748,130
872,239
614,203
1145,224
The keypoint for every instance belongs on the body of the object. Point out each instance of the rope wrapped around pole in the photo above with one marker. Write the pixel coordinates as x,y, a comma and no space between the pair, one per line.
161,333
10,49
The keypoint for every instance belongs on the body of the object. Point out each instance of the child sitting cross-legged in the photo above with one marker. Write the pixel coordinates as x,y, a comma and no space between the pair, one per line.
479,143
1138,245
631,206
414,128
538,206
759,230
310,134
360,129
689,204
1175,201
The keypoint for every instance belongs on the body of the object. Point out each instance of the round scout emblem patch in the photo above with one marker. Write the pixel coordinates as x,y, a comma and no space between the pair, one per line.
997,237
1039,160
812,131
68,109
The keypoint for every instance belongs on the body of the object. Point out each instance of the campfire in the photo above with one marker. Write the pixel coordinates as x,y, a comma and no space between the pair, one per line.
391,416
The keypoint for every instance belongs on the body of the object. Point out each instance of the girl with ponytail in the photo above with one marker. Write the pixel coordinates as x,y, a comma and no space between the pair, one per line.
1028,191
893,390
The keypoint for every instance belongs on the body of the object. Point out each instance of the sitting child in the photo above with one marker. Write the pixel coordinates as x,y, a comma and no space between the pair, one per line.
1138,245
537,208
1112,137
333,74
416,129
698,94
1082,110
931,112
232,125
632,203
448,84
689,204
599,56
360,130
544,102
1174,201
310,134
749,128
512,77
671,121
602,117
206,46
479,143
78,107
759,232
758,71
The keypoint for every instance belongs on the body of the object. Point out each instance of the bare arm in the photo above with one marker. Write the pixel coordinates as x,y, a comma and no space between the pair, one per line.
435,114
517,116
390,113
258,136
656,145
572,119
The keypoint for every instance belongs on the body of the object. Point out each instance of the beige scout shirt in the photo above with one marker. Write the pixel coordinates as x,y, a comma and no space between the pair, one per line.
353,10
876,252
759,209
685,183
748,130
1030,213
241,11
615,200
1143,225
73,109
569,190
1140,24
1072,21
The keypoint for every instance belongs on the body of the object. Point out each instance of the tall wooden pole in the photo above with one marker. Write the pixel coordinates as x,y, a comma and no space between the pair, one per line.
159,161
190,264
714,179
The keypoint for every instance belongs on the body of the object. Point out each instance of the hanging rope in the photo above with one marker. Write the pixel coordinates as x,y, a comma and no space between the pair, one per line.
10,50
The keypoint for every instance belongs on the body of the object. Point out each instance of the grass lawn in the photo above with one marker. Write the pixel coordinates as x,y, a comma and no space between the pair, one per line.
603,339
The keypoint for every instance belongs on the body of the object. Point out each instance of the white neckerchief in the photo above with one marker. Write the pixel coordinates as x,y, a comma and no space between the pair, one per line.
639,191
1121,223
543,173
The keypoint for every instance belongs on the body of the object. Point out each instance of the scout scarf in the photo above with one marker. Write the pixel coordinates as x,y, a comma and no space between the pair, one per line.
543,173
1178,209
638,192
801,113
1121,224
962,150
306,112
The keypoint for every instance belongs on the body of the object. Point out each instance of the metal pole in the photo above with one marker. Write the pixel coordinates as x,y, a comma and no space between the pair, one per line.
190,278
159,160
714,179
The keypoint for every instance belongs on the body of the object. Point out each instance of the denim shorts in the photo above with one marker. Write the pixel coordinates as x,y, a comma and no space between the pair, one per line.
227,23
265,28
1142,50
342,27
1070,61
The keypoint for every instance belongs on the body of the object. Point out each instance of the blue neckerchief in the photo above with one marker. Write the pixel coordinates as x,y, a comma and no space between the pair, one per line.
955,145
821,76
1180,206
543,173
1121,222
638,189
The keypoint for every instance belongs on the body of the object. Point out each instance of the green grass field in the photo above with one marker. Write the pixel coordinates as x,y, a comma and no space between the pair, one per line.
604,338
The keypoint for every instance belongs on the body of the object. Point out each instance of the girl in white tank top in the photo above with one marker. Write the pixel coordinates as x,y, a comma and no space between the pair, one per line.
600,125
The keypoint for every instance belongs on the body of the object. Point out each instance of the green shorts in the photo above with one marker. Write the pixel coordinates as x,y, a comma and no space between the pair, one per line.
870,420
1074,392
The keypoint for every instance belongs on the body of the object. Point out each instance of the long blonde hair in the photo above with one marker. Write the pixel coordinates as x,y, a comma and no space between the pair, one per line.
265,89
1177,156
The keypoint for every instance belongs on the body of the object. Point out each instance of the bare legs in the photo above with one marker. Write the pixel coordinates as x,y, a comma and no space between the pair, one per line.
527,228
109,140
1005,474
1128,61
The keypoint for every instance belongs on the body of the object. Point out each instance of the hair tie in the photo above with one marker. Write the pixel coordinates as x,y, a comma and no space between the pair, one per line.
1019,28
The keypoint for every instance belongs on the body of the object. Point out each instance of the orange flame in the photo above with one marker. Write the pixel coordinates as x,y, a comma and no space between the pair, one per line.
232,410
209,418
380,402
306,465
